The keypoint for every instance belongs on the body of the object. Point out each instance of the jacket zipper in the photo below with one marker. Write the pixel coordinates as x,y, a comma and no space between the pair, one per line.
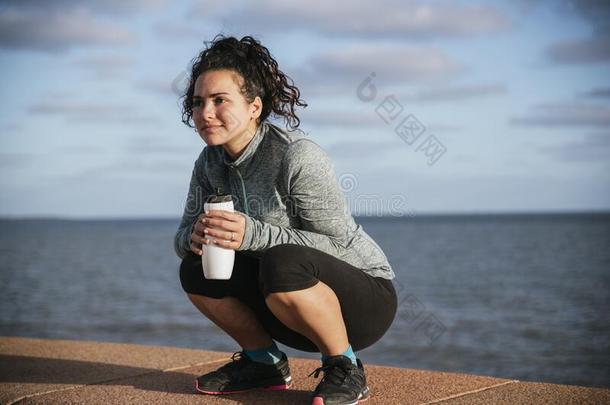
243,190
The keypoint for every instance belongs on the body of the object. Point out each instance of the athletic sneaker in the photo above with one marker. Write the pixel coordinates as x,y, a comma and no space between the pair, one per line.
243,374
343,382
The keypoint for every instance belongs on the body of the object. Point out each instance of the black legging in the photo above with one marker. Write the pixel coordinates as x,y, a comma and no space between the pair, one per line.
368,304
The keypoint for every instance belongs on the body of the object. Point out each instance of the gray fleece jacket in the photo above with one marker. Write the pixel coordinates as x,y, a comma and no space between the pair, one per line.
285,184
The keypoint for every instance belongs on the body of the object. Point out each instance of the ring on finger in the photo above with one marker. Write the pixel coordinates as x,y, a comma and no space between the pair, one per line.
232,236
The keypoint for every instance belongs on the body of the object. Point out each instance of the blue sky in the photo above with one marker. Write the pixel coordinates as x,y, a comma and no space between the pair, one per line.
511,101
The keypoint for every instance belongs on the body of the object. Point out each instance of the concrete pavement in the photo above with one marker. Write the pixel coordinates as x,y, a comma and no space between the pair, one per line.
44,371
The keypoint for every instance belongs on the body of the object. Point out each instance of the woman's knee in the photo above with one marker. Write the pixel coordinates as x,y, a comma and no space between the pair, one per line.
187,281
194,283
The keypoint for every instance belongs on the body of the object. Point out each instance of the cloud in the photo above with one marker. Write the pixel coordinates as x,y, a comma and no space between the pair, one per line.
159,86
366,19
122,7
172,85
356,150
82,110
135,166
341,71
90,112
177,30
456,93
438,128
598,92
594,49
58,31
80,150
398,62
595,147
340,118
106,66
11,128
110,7
147,166
565,115
597,12
361,119
15,160
588,50
157,145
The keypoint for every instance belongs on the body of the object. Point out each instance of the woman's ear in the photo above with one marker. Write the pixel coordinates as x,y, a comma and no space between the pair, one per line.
256,107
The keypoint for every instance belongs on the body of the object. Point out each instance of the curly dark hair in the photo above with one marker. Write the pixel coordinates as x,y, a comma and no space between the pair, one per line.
261,76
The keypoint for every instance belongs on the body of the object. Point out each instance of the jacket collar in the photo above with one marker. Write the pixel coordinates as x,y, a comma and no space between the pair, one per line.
247,155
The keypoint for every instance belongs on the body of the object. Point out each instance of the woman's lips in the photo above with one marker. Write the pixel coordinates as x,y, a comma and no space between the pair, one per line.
210,127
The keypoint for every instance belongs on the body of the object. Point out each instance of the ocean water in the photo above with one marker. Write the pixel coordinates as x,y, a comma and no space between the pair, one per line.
513,296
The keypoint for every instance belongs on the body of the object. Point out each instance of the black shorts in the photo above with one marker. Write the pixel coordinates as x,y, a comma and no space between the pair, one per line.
368,304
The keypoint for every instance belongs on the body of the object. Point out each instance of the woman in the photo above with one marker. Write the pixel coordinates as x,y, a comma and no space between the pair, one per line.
305,274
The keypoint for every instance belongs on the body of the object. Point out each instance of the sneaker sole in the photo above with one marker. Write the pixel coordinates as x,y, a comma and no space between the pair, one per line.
279,387
364,395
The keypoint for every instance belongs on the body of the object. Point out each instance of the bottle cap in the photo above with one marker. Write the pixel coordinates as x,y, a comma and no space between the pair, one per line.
219,197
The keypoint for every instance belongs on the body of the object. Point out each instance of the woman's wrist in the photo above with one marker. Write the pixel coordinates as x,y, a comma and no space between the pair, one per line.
248,230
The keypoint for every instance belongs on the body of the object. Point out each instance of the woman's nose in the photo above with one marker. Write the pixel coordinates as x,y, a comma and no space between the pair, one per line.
208,110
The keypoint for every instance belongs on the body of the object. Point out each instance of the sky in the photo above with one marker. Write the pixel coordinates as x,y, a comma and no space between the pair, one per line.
424,106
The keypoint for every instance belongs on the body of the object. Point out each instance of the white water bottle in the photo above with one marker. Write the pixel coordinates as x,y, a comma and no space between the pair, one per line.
217,261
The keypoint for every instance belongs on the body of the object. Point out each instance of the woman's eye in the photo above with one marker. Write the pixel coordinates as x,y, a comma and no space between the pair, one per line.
196,103
219,100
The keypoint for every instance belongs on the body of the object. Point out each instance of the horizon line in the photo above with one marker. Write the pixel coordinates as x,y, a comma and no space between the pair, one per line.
409,215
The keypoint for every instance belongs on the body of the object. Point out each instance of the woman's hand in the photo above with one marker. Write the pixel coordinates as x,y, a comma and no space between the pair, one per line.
197,236
224,227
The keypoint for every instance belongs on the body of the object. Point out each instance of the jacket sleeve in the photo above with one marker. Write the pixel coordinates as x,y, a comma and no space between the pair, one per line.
314,194
198,192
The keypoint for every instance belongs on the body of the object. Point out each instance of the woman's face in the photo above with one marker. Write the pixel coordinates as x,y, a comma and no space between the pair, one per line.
221,114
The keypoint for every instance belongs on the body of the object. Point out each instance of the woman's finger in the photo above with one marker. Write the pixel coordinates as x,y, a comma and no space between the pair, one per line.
227,244
222,234
195,248
223,224
198,228
228,215
199,238
200,220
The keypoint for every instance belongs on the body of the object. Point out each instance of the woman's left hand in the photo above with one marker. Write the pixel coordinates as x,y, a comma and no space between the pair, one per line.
225,228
